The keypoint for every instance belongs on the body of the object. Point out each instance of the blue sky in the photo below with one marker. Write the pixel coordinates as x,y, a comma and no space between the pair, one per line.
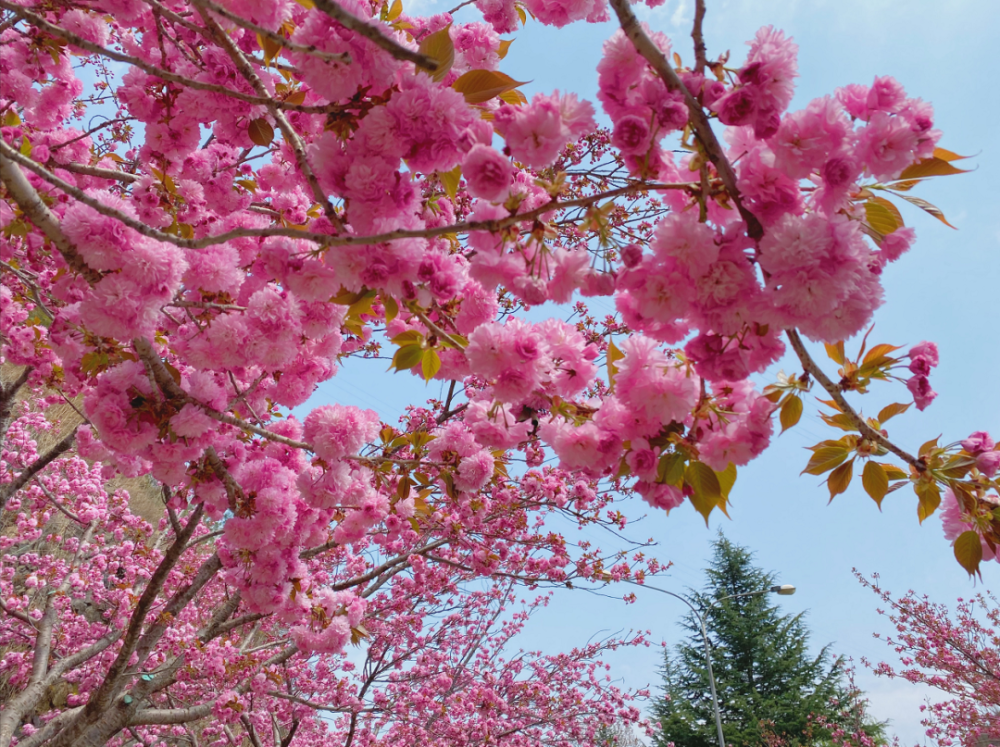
943,290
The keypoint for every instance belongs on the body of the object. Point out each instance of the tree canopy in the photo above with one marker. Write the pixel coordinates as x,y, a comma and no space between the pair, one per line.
209,206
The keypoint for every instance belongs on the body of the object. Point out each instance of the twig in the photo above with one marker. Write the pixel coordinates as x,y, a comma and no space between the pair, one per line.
289,133
35,467
698,37
374,35
55,502
37,212
838,396
274,38
699,122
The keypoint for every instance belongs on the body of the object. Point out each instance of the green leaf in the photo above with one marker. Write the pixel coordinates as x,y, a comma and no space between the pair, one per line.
891,411
880,218
391,308
430,364
875,481
791,411
362,305
260,131
891,207
824,459
928,208
969,551
407,337
840,479
727,478
670,469
439,47
407,357
479,86
705,485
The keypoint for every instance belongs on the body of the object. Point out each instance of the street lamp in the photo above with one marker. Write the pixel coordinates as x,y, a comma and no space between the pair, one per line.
783,590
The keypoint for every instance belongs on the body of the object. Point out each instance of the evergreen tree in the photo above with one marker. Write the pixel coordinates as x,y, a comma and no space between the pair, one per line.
768,683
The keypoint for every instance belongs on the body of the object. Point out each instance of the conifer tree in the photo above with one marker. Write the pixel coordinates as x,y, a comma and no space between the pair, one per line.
768,682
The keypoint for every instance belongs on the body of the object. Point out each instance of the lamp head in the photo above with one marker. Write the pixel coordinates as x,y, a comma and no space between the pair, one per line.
785,590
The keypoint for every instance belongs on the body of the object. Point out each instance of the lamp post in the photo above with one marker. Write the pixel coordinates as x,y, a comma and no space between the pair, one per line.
783,590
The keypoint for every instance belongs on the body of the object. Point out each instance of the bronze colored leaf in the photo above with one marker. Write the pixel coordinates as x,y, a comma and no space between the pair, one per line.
891,411
824,459
260,131
875,482
439,47
932,166
928,208
791,411
880,217
479,86
840,479
969,551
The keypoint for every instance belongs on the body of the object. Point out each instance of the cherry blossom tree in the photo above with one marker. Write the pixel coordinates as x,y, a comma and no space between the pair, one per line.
955,653
264,190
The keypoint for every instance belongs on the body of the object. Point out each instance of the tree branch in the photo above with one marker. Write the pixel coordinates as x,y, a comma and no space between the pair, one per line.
838,396
8,394
35,467
37,212
374,35
699,122
698,37
289,133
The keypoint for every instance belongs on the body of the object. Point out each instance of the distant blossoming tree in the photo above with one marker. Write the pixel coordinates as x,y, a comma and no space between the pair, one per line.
277,187
955,653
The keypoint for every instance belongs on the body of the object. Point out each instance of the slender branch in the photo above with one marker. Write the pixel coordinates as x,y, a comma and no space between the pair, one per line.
376,572
276,39
101,699
374,35
43,735
838,396
699,122
55,502
436,330
37,212
493,225
289,133
8,394
172,390
96,171
17,615
159,72
310,703
35,467
698,37
291,733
